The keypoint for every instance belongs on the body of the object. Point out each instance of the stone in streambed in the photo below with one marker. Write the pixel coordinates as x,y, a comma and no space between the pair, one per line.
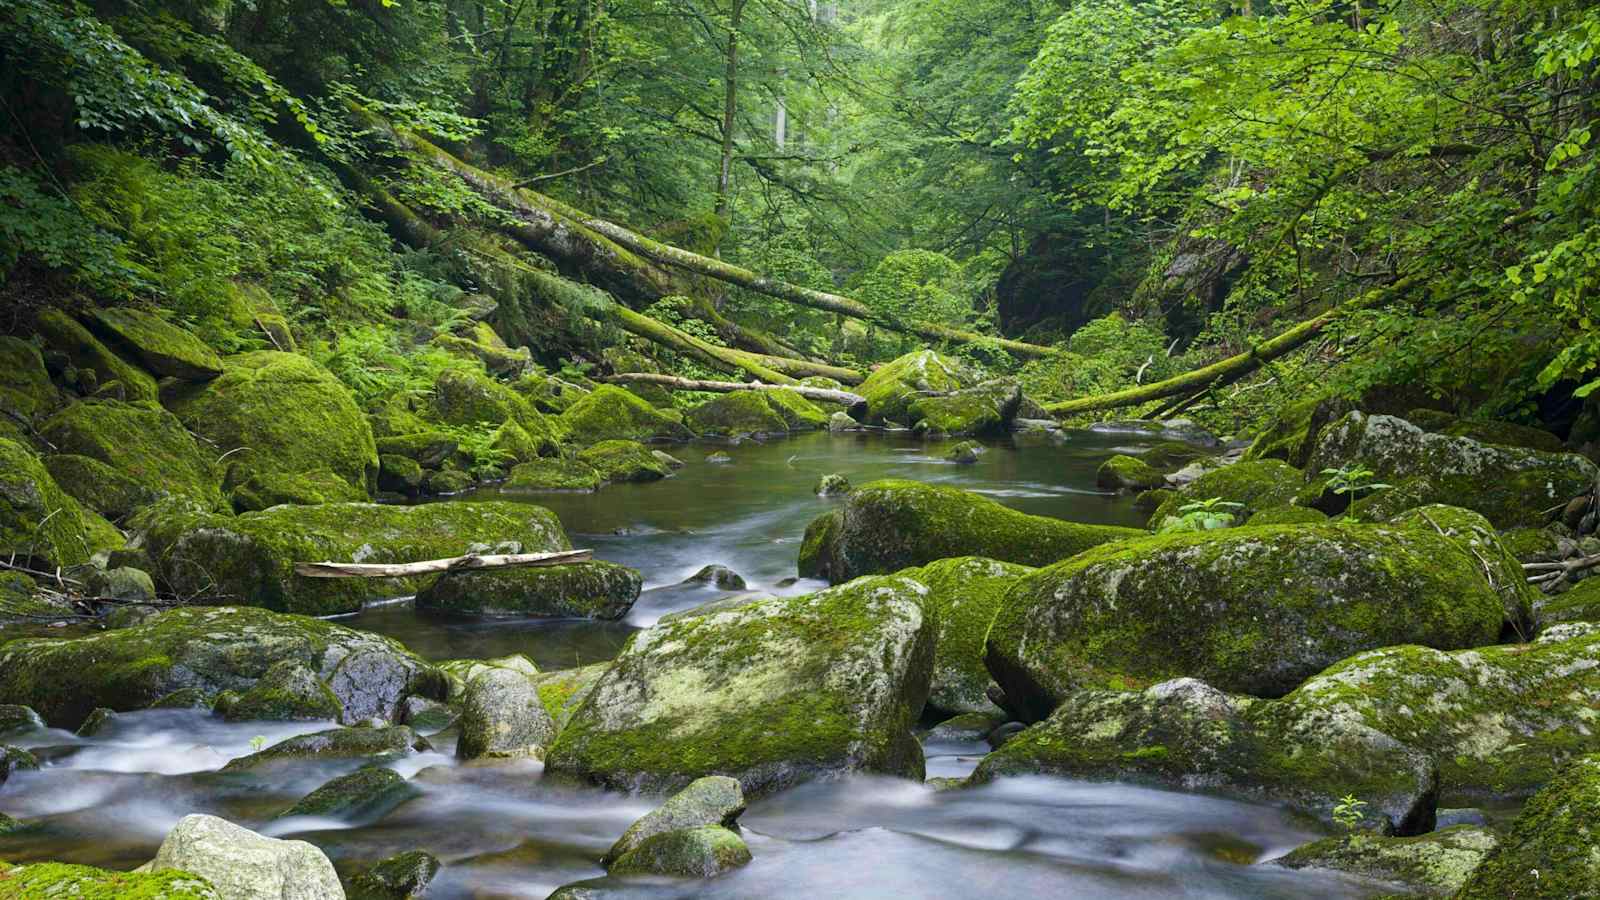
243,865
38,520
964,595
1436,864
403,876
623,461
738,414
965,453
264,490
1552,851
893,389
377,744
288,690
612,413
66,335
15,759
686,853
502,717
553,474
713,800
590,590
987,409
563,691
16,719
832,485
1256,485
365,794
1128,473
720,577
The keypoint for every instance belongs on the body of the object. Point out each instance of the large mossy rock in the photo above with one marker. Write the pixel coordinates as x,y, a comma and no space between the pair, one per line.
612,413
502,717
1255,486
243,865
1500,720
700,852
280,412
1472,533
288,690
889,525
1128,473
211,649
363,744
1510,486
1552,851
250,558
553,474
25,387
38,520
772,693
1292,433
264,490
52,880
564,690
160,346
1184,734
964,595
984,409
1435,864
145,444
1580,604
1250,610
799,413
1485,431
624,461
97,486
712,800
585,590
66,335
366,793
895,387
737,414
467,398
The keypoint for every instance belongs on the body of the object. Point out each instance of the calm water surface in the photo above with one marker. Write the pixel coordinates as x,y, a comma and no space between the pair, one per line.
505,832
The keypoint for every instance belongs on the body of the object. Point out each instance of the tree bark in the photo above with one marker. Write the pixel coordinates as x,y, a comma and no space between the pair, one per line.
856,402
730,108
450,564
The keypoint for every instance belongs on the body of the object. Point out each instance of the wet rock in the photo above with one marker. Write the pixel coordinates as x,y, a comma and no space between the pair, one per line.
403,876
1291,434
841,421
88,354
1433,865
547,393
1004,733
1128,473
243,865
1169,455
895,387
212,649
1580,604
461,671
264,490
399,474
965,453
288,690
502,717
446,482
720,577
1180,430
375,744
563,691
9,825
38,520
590,590
686,853
986,408
798,413
1473,534
554,474
16,719
1555,836
966,728
712,800
1509,486
365,794
252,556
163,348
964,595
1255,486
1449,818
25,387
282,413
718,458
15,759
667,459
184,698
466,398
428,449
123,584
1186,735
772,693
51,879
623,461
99,720
1251,610
612,413
426,716
737,414
886,526
831,485
480,342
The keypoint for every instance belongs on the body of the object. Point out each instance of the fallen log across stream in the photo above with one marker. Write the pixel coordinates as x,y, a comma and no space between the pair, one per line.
449,564
856,402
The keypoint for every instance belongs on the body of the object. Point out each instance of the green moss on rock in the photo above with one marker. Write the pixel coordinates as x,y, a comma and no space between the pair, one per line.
66,335
1473,534
1580,604
737,414
893,388
889,525
1436,864
144,443
553,474
624,461
1288,515
984,409
264,490
1255,485
25,387
378,745
287,691
38,520
590,590
713,800
1552,851
428,448
400,877
51,880
964,595
1486,431
163,348
98,486
612,413
563,691
366,793
1128,473
1292,434
467,398
685,853
799,413
502,718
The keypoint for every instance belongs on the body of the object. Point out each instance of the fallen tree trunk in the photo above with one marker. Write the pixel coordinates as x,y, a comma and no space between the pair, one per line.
1234,367
450,564
855,402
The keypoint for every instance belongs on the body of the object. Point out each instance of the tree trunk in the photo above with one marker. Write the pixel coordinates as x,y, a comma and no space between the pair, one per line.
730,108
856,402
429,566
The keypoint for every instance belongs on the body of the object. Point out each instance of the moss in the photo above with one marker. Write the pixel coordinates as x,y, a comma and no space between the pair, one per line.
623,461
1287,515
591,590
97,485
1255,485
480,342
965,453
377,744
146,444
516,444
986,409
25,388
799,413
1553,848
832,484
699,852
399,474
428,449
160,346
1473,534
612,413
38,520
893,388
562,692
772,693
1292,434
1128,473
399,877
287,691
1169,455
1532,544
885,526
447,481
736,414
366,793
1580,604
465,398
1254,610
64,334
547,393
250,558
51,879
553,475
99,534
964,594
1507,434
278,412
263,490
1434,864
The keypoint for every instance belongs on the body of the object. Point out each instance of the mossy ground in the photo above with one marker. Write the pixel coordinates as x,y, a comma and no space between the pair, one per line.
51,880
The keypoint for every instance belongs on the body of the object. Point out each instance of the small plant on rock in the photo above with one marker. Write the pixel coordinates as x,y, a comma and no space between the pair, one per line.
1349,812
1354,480
1201,515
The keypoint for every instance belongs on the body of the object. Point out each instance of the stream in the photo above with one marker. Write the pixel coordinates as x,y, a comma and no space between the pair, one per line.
503,832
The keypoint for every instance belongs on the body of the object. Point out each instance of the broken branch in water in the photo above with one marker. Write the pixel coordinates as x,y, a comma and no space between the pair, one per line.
450,564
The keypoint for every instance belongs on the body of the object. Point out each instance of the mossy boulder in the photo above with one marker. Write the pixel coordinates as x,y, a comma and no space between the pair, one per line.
146,444
895,387
685,853
1169,455
364,794
242,864
15,759
1250,610
428,448
1292,434
984,409
587,590
516,444
25,387
121,583
1580,604
1185,734
162,348
1435,864
467,398
373,745
1500,720
1287,515
288,690
1256,485
563,691
624,461
399,474
799,413
965,453
1128,473
1509,486
22,602
712,800
479,341
553,474
280,412
18,719
1552,851
1473,534
264,490
403,876
885,526
772,693
97,486
250,558
67,335
832,484
612,413
54,879
212,649
964,595
1485,431
38,520
501,717
737,414
547,393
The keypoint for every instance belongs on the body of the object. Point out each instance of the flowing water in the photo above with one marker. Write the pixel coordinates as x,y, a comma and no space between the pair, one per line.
503,831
